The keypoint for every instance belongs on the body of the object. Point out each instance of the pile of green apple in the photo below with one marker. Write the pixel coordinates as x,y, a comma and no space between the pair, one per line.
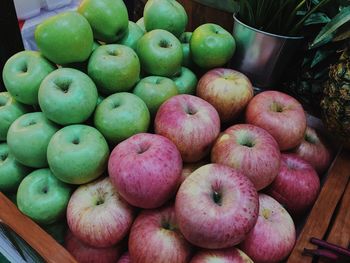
103,119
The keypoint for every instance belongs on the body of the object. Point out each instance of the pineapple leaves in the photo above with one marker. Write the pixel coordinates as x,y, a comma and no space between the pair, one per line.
329,30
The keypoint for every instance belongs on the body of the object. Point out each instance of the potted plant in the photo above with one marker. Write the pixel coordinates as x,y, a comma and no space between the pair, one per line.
268,34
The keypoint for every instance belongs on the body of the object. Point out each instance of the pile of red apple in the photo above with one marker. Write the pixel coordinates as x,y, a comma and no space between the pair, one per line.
140,164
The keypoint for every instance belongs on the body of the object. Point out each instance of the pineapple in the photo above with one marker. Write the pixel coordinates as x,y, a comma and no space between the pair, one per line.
335,104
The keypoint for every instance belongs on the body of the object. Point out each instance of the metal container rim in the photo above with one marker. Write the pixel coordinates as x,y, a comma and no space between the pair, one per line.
266,33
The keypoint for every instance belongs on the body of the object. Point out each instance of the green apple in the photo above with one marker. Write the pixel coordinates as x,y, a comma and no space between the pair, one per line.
154,91
132,36
160,53
77,154
11,171
141,24
57,230
186,81
42,197
10,110
211,46
23,73
67,96
28,138
185,43
114,68
65,38
120,116
108,18
165,14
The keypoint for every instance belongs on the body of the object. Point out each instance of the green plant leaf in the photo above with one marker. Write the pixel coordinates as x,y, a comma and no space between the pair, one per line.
329,30
224,5
317,18
320,56
343,33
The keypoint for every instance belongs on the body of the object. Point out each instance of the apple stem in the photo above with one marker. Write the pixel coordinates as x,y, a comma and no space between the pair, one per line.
217,198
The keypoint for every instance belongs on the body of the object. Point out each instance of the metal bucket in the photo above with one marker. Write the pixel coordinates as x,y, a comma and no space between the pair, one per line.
262,56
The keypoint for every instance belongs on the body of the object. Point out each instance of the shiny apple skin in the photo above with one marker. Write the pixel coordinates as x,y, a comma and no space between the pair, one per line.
191,123
87,254
250,149
229,91
227,255
273,236
296,186
146,170
281,115
98,215
220,223
314,150
155,237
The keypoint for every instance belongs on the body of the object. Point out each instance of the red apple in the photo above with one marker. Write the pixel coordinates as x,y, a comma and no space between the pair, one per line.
97,215
250,149
281,115
227,255
273,236
229,91
125,258
191,123
314,150
146,169
86,254
216,206
189,168
155,237
296,186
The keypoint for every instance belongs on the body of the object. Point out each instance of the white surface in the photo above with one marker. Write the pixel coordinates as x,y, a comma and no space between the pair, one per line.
29,8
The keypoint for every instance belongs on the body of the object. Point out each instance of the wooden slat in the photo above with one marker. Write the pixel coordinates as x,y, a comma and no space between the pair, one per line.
340,231
321,214
37,238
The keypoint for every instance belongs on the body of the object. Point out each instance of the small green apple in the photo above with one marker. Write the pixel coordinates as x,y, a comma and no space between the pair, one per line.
11,171
108,18
114,68
67,96
160,53
132,36
211,46
28,138
154,91
77,154
127,110
185,43
165,14
23,73
10,110
42,197
65,38
186,81
141,24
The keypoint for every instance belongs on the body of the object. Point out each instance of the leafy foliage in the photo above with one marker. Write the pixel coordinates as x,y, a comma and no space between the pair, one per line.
285,17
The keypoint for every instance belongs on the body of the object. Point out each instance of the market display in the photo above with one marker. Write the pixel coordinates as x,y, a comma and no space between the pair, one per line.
150,147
